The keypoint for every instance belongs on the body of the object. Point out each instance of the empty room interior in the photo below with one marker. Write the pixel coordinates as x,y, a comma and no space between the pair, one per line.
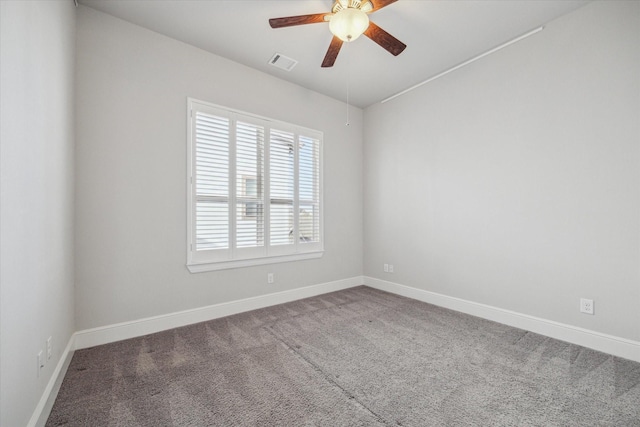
407,213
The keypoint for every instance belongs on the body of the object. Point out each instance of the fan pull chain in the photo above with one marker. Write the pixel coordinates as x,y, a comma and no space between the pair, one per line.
348,79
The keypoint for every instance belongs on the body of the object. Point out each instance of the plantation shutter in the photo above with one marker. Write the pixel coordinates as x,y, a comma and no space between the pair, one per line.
309,190
212,182
249,185
255,193
281,173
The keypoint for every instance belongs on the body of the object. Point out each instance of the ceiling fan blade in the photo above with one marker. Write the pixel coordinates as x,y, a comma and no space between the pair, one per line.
332,52
384,39
379,4
290,21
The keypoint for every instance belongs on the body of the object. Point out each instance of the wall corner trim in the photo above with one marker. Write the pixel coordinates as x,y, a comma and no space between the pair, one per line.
610,344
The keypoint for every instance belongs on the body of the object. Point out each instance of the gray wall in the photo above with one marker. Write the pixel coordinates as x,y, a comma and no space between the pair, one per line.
515,181
36,197
132,86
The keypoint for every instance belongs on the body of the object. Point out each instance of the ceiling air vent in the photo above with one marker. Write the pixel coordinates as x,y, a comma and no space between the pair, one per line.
283,62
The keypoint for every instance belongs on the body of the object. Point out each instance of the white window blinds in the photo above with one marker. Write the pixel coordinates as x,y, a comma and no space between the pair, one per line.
282,182
254,189
212,182
249,185
309,190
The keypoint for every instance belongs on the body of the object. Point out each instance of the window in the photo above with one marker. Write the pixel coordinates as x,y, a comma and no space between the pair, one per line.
254,190
250,190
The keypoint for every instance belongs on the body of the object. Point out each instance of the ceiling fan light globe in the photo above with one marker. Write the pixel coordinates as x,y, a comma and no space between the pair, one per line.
349,24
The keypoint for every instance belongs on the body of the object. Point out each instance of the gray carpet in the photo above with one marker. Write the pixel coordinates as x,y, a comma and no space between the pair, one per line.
359,357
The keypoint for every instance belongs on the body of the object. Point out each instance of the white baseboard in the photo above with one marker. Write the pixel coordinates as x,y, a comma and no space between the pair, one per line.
136,328
610,344
121,331
42,411
616,346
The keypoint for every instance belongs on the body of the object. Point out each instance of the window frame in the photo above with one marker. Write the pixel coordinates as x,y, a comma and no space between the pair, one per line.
237,257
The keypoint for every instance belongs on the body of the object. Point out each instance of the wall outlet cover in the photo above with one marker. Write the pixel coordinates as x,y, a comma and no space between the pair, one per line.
586,306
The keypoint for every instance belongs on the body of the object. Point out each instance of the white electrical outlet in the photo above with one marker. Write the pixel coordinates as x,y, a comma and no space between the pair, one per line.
386,268
269,277
390,268
586,306
49,347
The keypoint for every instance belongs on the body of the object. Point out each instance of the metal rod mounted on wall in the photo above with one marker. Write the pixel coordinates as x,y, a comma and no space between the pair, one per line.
467,62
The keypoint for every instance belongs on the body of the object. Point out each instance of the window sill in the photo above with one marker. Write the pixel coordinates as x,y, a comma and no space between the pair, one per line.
240,263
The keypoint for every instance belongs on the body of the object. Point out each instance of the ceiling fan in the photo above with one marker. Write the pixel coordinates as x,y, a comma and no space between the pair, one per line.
348,20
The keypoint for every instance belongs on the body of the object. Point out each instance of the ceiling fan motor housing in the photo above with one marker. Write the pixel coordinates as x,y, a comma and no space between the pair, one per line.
365,6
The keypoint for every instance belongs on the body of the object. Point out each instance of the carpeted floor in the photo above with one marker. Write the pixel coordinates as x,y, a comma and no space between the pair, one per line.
359,357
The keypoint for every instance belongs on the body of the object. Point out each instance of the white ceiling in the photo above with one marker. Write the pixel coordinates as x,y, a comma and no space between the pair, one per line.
439,34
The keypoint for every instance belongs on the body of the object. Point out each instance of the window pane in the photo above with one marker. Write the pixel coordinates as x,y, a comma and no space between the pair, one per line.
249,185
282,173
249,163
212,155
281,224
249,225
309,189
309,224
281,158
212,225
